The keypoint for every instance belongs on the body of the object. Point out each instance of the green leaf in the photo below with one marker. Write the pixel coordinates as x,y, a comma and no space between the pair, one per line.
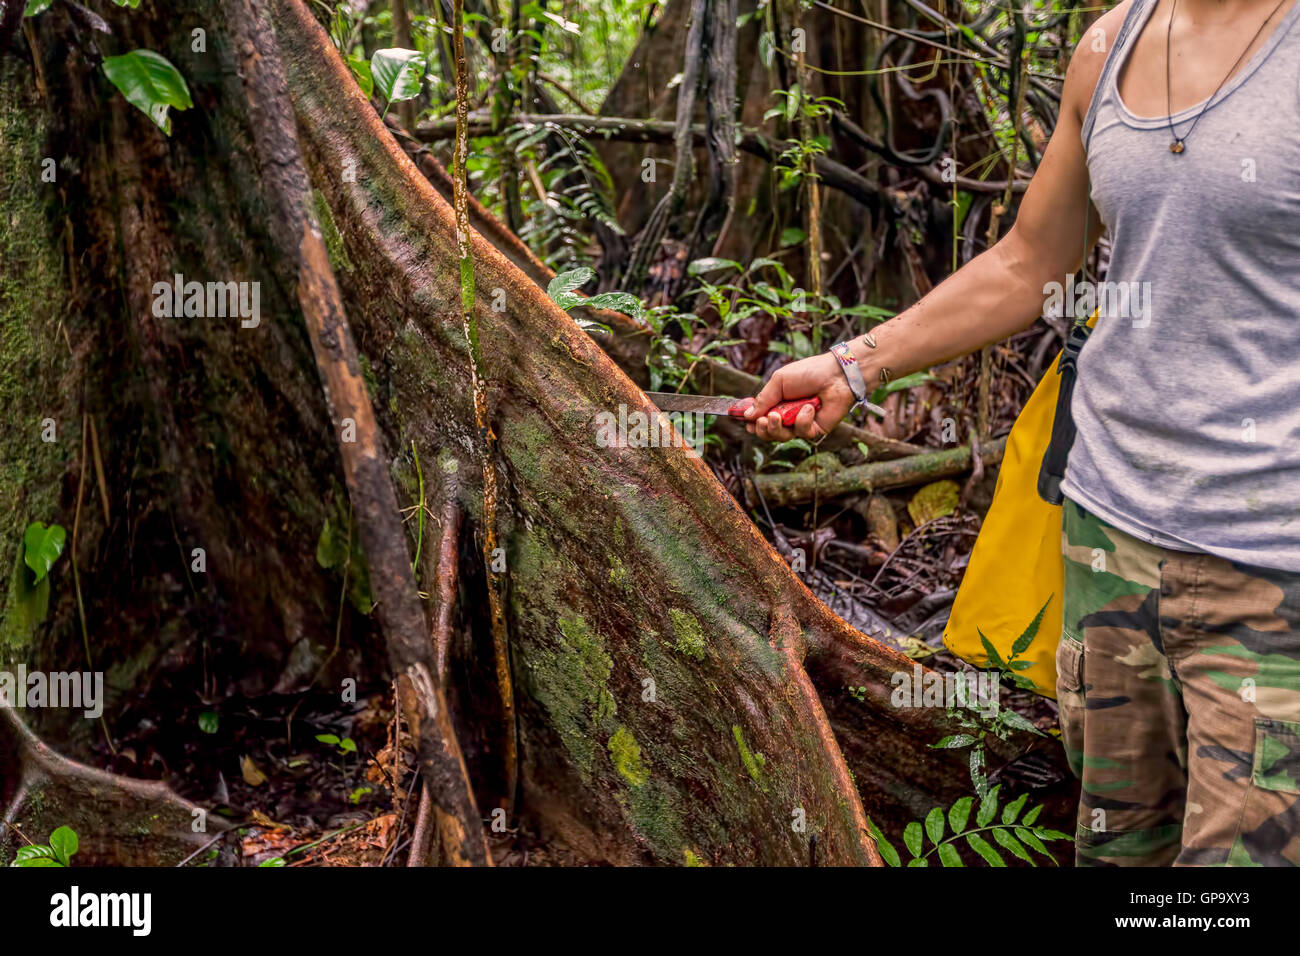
887,851
792,236
981,846
988,807
1043,833
35,7
898,384
397,73
1024,640
150,83
1028,838
949,856
42,547
127,3
959,813
1012,809
208,721
361,70
1032,815
711,264
64,843
954,742
348,745
328,739
934,825
1009,842
561,289
919,861
994,657
274,861
39,861
912,838
35,852
624,302
1013,720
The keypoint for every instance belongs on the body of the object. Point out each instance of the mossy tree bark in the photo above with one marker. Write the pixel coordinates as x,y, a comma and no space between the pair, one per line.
672,677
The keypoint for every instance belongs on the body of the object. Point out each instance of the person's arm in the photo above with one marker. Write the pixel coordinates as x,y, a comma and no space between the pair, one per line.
995,295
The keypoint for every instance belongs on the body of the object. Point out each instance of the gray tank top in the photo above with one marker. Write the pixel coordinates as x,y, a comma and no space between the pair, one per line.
1188,398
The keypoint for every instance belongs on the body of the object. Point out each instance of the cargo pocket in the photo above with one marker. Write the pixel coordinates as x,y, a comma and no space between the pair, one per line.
1069,698
1277,755
1266,833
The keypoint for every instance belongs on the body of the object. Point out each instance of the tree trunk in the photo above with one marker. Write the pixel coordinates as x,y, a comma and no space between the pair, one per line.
672,677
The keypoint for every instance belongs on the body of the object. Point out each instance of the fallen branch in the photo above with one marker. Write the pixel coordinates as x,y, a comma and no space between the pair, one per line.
798,487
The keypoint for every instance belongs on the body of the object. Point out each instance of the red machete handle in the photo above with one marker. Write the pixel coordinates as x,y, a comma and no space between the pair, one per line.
787,410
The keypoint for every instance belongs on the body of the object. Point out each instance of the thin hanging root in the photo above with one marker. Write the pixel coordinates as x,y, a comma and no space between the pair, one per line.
496,606
446,584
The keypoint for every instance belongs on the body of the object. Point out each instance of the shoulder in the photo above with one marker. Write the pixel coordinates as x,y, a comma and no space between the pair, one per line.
1089,58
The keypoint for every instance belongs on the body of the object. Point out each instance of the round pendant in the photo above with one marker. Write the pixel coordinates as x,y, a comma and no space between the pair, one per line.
1176,146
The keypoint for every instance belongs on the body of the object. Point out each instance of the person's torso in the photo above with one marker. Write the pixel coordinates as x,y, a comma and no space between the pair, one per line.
1188,399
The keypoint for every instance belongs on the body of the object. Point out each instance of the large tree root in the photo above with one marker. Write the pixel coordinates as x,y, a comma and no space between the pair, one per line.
118,821
658,636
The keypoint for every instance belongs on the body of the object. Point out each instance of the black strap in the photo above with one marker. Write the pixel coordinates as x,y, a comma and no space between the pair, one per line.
1052,471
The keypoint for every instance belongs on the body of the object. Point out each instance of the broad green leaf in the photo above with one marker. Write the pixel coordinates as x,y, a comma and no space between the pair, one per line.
949,856
792,236
988,807
397,73
1009,842
711,264
150,83
1012,809
624,302
561,289
42,861
1013,720
934,825
899,385
274,861
919,861
36,6
42,547
954,742
328,739
361,70
208,721
959,813
65,844
1032,815
32,852
887,851
981,846
127,3
912,838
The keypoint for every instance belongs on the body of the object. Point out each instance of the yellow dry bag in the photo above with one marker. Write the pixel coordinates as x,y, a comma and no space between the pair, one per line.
1010,599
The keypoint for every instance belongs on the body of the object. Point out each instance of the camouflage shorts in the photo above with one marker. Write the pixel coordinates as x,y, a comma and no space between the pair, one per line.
1178,678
